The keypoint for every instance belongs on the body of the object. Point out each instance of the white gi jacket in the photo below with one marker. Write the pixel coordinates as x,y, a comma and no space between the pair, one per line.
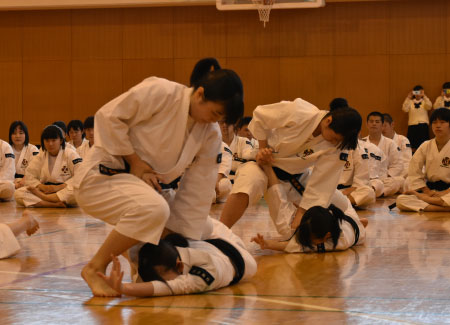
83,149
376,158
7,162
151,120
288,128
24,157
418,110
356,168
403,144
437,165
442,101
227,157
392,164
242,148
209,259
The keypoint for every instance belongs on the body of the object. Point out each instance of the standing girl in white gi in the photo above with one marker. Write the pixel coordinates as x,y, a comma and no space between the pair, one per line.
430,190
7,171
48,178
178,266
161,130
300,136
23,150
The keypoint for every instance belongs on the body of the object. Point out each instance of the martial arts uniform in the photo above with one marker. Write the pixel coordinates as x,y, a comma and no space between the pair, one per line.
152,120
442,101
404,147
282,199
436,176
224,185
82,142
66,165
417,120
9,245
23,159
7,171
206,267
83,149
288,128
376,157
243,150
392,166
356,174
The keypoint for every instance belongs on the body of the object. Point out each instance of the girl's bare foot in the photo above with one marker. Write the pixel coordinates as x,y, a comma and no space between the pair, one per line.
32,224
98,286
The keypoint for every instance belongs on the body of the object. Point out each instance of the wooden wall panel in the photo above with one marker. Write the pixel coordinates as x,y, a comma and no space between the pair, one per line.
406,71
94,83
97,34
417,27
134,71
10,36
148,33
261,79
46,94
361,29
10,95
246,36
310,78
307,32
46,35
199,32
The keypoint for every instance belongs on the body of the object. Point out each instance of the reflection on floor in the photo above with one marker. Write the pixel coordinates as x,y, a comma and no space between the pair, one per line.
401,275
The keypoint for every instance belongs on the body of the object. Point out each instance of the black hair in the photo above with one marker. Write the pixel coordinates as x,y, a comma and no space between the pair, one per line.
62,125
243,121
318,221
76,125
89,122
23,127
387,118
225,87
442,114
446,85
375,113
164,254
418,87
52,132
337,103
201,68
346,122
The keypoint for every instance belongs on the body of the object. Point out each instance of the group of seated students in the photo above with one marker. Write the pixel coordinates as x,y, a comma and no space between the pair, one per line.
310,165
42,177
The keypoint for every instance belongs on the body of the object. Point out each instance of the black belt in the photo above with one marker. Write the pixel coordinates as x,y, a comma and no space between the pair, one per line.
233,254
292,178
19,176
50,183
112,171
342,186
355,227
438,186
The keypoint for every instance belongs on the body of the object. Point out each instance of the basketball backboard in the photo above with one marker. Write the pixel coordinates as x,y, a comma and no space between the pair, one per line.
277,4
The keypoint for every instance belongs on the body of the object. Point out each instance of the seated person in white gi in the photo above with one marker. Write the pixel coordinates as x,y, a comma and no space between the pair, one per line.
9,245
243,131
7,171
161,130
179,266
48,178
430,190
300,136
444,99
76,134
223,183
377,166
392,166
401,141
88,127
23,150
325,228
63,128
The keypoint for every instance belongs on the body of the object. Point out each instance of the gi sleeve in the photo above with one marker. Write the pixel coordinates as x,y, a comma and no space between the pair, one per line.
227,159
114,120
361,177
324,180
183,284
8,170
395,167
190,207
280,209
416,177
33,171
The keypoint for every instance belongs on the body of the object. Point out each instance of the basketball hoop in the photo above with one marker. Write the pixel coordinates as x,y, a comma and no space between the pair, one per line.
264,7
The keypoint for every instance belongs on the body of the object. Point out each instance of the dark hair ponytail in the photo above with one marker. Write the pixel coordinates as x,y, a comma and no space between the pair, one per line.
164,254
346,121
201,68
318,221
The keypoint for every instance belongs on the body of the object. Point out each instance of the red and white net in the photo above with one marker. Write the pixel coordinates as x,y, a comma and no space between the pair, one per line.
264,7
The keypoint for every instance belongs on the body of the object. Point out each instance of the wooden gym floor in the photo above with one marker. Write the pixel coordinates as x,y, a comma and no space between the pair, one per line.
401,275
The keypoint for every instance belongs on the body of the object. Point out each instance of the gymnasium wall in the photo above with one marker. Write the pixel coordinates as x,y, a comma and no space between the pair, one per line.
65,64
